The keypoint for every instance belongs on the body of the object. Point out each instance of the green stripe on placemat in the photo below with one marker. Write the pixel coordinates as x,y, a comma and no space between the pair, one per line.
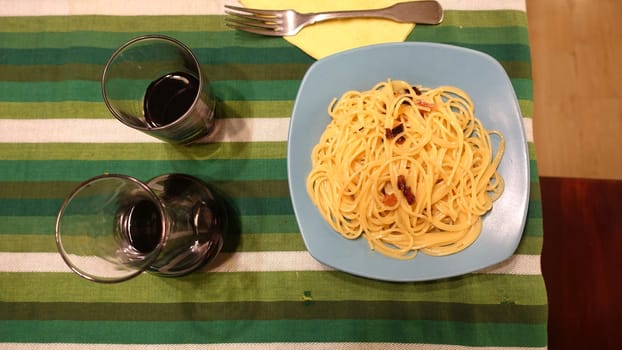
257,236
47,207
214,72
188,23
247,206
208,170
90,91
270,286
240,55
308,309
36,225
249,331
96,55
138,151
93,110
40,226
111,40
30,190
97,109
251,241
253,90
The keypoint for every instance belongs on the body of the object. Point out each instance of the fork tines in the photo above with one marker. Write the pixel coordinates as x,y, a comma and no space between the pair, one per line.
264,22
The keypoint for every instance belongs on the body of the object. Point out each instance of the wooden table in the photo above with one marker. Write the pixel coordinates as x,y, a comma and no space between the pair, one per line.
581,261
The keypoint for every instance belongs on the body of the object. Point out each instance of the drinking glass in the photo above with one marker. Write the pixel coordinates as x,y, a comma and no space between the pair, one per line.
113,227
154,84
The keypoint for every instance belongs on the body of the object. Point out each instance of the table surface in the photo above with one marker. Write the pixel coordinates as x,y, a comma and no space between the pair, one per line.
265,291
581,260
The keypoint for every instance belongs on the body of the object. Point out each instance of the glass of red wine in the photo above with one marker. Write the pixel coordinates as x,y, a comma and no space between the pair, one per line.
113,227
154,84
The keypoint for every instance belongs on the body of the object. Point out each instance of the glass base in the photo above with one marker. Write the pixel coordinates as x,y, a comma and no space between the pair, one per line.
197,224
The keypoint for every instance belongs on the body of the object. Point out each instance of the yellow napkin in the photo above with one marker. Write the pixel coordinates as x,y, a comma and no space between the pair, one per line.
326,38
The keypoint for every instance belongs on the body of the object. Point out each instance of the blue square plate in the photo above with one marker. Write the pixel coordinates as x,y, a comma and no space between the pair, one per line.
431,65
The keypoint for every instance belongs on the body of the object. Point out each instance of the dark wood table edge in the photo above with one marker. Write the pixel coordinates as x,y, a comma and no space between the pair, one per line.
581,261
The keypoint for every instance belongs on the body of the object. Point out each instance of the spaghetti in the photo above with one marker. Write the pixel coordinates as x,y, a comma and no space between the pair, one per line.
409,168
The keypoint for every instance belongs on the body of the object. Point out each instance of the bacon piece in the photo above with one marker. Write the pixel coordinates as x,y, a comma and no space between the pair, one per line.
391,133
406,190
401,182
425,104
410,196
398,129
389,200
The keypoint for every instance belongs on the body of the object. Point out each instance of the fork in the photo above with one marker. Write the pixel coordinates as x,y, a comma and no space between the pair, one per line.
290,22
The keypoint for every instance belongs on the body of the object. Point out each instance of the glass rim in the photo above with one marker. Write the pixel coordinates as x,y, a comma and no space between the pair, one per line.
153,255
133,41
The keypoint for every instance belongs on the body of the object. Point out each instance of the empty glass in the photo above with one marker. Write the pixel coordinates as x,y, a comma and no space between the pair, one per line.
113,227
154,84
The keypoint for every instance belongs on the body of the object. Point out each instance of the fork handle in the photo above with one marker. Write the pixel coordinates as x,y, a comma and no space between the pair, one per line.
422,11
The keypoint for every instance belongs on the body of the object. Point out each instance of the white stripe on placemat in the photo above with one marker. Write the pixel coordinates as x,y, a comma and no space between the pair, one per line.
112,131
519,264
112,7
518,5
528,124
185,7
253,346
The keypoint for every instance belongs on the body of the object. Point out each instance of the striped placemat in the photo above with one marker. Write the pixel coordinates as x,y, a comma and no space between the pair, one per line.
265,291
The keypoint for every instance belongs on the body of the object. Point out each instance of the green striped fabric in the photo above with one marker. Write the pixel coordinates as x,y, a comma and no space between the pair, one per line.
265,292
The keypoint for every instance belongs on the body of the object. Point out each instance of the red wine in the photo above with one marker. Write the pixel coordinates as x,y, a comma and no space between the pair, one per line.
169,97
144,226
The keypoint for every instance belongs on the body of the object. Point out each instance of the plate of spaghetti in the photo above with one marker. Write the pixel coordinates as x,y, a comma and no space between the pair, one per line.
408,162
